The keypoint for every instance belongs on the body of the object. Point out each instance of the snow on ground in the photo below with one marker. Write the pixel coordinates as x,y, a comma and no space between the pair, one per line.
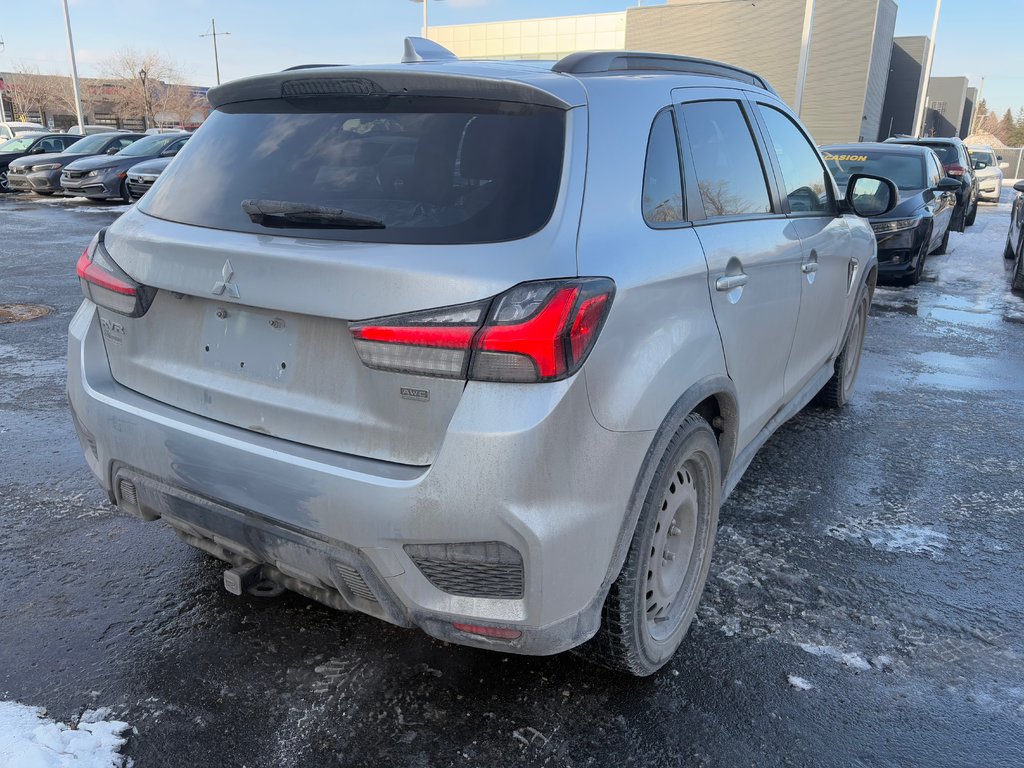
799,683
29,739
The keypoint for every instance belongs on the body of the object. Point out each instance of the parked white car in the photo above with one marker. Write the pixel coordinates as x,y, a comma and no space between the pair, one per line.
988,167
12,129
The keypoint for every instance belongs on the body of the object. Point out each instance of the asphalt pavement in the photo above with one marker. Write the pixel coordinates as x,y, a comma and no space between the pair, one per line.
864,607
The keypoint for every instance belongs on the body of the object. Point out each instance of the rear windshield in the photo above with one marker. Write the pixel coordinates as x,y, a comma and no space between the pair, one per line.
437,170
947,152
905,170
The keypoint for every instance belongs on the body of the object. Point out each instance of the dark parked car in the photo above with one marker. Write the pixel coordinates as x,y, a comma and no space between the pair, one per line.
919,225
103,178
31,144
41,173
142,176
1015,237
956,162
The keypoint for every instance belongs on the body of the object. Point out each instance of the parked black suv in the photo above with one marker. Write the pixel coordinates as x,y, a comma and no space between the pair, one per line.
956,163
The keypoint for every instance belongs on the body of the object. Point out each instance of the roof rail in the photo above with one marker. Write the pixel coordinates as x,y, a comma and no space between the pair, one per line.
310,66
421,49
595,62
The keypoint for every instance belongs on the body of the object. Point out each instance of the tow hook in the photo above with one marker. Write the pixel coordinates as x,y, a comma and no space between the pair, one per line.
248,578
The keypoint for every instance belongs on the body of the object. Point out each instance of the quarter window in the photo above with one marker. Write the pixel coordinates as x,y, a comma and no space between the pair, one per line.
663,186
803,176
727,168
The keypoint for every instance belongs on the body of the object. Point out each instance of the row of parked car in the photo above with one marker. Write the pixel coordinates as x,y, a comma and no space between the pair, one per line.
99,166
940,182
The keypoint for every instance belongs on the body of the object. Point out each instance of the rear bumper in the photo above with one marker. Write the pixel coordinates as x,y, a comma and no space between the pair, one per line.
528,467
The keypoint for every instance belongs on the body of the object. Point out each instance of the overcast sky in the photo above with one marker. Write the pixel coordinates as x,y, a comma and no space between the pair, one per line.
977,38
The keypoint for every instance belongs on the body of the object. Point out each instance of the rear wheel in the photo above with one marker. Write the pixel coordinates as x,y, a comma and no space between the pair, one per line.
941,249
1008,248
837,392
1018,269
972,214
651,604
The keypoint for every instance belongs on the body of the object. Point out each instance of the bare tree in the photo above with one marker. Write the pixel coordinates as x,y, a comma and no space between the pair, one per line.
60,94
177,104
140,79
27,93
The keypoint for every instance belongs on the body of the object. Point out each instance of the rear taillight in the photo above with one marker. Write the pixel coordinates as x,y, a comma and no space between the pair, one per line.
955,170
108,285
534,332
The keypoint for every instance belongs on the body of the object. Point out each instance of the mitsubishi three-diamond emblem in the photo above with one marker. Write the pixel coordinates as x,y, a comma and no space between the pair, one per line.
225,285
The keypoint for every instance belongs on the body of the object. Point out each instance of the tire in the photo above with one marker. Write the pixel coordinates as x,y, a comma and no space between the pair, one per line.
837,392
651,604
1018,271
3,182
1008,248
44,194
972,214
125,194
941,248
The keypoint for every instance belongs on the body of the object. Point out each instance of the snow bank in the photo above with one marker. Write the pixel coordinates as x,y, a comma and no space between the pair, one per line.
29,739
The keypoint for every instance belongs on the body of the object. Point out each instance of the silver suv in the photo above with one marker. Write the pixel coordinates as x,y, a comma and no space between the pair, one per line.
475,347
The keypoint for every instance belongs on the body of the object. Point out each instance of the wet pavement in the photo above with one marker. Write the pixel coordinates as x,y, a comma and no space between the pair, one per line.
864,607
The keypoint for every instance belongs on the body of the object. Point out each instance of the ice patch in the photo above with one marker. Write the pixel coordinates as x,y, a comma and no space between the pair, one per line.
799,683
852,660
29,739
913,539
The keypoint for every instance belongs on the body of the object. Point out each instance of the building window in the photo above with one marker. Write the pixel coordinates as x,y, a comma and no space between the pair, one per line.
939,106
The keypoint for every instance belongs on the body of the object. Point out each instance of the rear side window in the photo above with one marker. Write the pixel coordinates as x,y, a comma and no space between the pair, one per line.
947,153
728,170
437,170
935,173
803,175
663,184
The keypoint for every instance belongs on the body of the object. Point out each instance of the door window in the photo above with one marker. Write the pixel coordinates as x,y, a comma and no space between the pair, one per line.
663,184
804,179
935,173
727,168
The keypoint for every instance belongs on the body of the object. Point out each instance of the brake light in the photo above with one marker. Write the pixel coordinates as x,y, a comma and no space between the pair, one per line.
108,285
534,332
955,170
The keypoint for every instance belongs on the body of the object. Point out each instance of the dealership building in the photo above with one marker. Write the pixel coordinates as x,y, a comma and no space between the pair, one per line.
848,71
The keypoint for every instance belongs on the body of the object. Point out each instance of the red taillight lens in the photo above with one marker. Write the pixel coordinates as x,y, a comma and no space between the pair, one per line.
955,170
534,332
108,285
498,633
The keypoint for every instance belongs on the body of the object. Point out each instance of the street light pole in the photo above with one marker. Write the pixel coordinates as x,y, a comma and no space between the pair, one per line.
805,55
922,97
426,26
3,112
74,71
216,57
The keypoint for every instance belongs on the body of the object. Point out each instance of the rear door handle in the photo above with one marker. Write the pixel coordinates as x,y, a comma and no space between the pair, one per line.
808,267
728,282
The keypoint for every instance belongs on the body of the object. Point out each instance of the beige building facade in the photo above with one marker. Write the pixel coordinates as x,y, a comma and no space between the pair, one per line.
847,70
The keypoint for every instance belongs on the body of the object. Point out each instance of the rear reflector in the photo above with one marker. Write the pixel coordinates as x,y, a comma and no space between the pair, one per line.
108,285
534,332
497,633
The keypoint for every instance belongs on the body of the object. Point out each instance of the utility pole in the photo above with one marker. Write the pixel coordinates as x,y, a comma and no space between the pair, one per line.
74,71
922,97
425,24
214,34
805,55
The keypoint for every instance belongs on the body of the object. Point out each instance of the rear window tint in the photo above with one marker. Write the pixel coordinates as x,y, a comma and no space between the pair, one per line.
444,171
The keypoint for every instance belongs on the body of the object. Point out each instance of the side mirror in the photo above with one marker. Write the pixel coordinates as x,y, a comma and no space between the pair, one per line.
868,195
113,151
1019,186
169,153
38,151
1004,166
980,165
948,184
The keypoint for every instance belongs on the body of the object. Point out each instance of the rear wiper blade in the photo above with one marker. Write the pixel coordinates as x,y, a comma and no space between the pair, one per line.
282,214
